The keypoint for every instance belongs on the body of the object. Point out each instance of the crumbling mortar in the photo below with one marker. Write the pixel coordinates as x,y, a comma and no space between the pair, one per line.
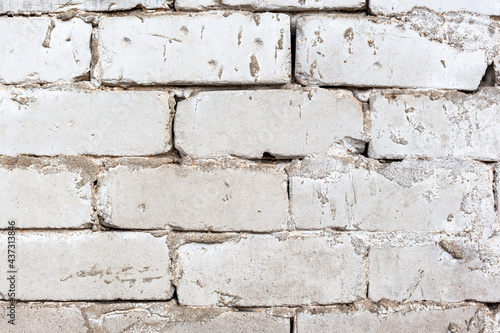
251,9
95,62
494,184
293,45
70,13
291,226
177,99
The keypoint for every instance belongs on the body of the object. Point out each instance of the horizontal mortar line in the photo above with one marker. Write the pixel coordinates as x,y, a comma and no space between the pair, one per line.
402,89
146,302
175,11
290,12
236,232
152,87
439,232
222,87
212,86
199,232
56,230
216,87
388,161
447,305
87,156
83,12
111,301
379,303
170,154
277,161
144,231
240,308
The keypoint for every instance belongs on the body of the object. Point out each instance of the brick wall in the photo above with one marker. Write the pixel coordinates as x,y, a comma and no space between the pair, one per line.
250,165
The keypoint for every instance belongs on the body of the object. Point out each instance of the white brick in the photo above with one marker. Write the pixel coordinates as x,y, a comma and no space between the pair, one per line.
206,48
270,271
384,7
451,272
40,317
187,319
33,52
436,124
362,194
109,317
284,123
89,266
195,198
288,5
70,122
433,319
47,6
495,321
47,196
378,52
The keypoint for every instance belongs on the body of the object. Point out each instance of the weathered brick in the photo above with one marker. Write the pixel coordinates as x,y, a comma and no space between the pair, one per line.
48,6
41,193
73,121
286,5
356,193
449,270
42,318
435,124
378,52
41,49
494,325
196,49
139,317
271,271
167,317
89,266
384,7
202,197
284,123
403,319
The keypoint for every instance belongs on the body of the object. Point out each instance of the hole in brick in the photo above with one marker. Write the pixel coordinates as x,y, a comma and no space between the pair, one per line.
488,79
268,156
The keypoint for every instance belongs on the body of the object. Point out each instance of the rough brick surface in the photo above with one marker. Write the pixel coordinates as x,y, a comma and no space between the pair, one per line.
435,124
494,325
72,121
382,53
283,123
204,197
39,317
141,317
196,49
168,172
161,318
269,271
89,266
53,194
449,270
384,7
413,195
47,6
43,49
422,319
285,5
